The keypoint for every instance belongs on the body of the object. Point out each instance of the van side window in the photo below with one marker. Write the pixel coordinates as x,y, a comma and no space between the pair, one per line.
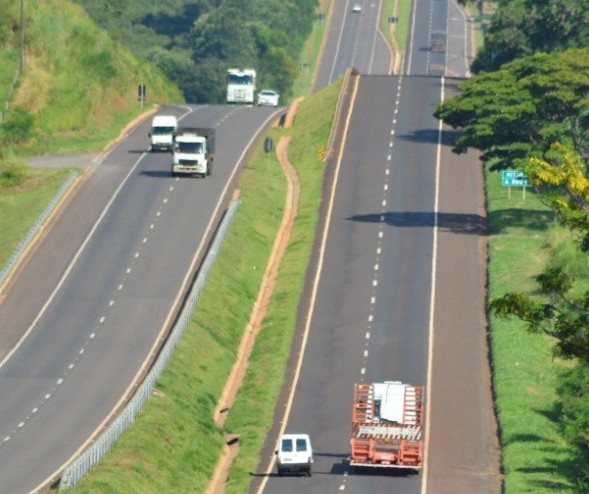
301,445
287,445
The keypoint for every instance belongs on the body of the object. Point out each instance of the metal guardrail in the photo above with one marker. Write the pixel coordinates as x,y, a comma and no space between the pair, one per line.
11,263
91,456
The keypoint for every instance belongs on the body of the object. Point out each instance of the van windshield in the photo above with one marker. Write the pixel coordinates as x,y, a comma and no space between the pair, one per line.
162,130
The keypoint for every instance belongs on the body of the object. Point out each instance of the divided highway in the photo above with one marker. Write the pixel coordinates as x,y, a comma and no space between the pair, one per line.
83,316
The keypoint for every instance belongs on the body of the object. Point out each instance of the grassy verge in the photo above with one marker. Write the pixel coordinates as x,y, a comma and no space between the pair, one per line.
400,29
21,205
310,52
174,445
536,458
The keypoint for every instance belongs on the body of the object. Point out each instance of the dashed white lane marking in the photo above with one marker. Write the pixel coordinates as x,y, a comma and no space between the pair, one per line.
376,267
81,352
372,300
365,353
367,335
374,282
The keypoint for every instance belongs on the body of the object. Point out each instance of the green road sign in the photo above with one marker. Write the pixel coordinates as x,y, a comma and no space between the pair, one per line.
514,178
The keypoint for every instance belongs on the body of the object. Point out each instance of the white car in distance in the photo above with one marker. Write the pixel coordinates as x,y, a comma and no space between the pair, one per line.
268,97
357,8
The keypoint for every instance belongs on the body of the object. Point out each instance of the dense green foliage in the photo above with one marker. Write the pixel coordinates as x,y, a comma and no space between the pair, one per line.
522,27
194,42
519,110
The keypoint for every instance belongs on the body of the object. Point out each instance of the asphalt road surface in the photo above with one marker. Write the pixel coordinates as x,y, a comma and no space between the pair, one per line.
401,293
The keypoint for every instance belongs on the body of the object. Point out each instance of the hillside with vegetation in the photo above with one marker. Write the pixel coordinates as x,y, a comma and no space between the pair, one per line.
194,42
78,87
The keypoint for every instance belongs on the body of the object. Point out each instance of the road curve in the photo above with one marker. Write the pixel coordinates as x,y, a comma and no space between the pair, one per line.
81,318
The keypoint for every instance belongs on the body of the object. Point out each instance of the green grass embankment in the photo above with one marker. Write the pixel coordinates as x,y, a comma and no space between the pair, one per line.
174,445
79,86
535,457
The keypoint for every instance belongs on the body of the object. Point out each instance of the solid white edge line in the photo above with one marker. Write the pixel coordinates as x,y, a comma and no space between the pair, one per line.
430,352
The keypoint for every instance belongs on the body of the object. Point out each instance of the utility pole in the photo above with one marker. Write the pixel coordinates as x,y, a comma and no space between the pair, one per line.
22,36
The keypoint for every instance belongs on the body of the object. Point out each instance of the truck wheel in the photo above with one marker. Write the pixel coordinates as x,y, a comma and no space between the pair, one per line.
309,473
210,167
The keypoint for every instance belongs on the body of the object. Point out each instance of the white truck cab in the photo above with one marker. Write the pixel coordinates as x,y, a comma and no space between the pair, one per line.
162,132
294,454
193,151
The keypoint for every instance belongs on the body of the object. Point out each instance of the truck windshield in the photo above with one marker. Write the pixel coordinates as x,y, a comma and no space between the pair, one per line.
162,130
240,80
189,147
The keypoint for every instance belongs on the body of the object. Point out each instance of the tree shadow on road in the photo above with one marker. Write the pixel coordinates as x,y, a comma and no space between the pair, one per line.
466,224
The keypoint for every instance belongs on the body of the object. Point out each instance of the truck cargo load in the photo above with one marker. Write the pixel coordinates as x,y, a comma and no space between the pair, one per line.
387,420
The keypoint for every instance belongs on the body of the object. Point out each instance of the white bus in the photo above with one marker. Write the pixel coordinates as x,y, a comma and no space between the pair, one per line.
241,86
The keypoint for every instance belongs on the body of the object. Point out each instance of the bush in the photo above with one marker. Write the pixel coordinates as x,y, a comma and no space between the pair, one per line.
12,172
18,127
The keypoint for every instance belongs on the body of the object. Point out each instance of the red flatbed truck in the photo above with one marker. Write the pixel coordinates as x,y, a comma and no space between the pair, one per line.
387,426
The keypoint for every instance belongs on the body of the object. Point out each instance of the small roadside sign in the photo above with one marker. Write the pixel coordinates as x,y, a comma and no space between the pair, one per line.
514,178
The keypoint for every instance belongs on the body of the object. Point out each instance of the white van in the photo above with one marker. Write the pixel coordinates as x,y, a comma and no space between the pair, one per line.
294,454
162,132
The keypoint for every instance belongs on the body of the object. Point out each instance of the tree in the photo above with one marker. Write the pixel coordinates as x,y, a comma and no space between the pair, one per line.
520,110
522,27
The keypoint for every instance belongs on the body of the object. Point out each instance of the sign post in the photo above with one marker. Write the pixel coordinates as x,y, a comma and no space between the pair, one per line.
514,178
142,93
